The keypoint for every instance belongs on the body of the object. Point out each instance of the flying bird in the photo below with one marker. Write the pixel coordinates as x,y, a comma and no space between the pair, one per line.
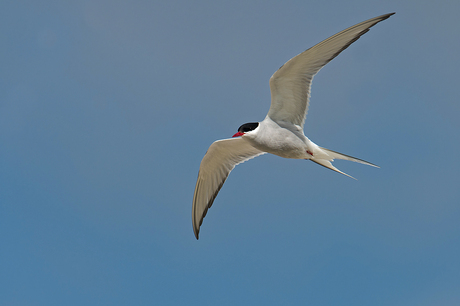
281,132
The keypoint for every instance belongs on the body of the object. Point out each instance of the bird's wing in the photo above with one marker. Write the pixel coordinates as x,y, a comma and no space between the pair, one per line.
221,157
290,85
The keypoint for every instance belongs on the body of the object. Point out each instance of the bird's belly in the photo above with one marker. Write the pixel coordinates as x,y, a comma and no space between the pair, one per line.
287,146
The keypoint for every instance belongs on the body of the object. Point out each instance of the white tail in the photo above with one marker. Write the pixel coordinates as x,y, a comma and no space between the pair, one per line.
336,155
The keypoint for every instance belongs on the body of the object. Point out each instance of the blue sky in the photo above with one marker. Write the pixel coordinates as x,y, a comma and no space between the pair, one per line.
107,107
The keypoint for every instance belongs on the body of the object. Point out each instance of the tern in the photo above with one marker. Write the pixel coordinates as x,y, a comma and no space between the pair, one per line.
281,132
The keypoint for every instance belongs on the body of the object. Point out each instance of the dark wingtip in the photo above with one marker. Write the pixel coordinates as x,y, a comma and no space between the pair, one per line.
196,229
386,16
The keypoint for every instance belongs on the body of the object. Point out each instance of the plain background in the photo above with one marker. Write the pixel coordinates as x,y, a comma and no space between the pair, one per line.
107,107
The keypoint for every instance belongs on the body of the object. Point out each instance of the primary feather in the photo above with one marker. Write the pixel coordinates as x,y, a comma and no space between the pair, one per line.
290,85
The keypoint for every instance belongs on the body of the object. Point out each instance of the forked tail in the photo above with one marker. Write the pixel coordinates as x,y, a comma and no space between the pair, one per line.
336,155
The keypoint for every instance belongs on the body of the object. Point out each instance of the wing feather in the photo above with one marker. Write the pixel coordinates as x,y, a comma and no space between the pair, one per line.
220,159
290,85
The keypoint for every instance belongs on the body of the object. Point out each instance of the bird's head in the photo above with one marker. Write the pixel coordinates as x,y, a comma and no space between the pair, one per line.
247,127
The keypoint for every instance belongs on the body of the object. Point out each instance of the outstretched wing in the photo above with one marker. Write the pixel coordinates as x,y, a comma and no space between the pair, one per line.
220,159
290,85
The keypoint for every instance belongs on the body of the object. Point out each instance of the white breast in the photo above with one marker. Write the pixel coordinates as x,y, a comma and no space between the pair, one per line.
285,139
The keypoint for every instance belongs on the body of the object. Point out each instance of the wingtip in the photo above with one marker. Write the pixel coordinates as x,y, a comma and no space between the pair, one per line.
196,231
385,16
195,226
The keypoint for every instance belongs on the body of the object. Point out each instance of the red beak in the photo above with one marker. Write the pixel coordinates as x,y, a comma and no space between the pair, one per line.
238,134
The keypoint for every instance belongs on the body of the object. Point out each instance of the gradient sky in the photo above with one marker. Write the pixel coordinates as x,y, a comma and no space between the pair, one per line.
107,107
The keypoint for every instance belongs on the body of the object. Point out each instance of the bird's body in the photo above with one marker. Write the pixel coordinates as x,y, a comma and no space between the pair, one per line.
289,140
281,132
